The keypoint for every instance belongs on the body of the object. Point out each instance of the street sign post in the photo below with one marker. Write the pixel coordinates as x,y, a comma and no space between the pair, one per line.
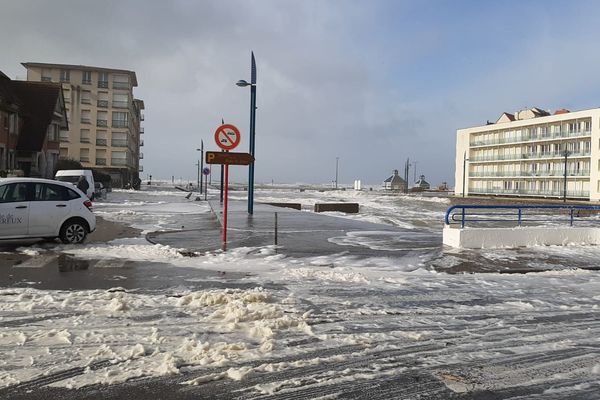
227,137
205,172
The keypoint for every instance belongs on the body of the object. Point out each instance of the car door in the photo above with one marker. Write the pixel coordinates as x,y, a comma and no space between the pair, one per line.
48,209
14,210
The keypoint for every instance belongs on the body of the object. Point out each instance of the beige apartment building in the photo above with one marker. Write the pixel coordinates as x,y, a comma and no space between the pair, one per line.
526,154
105,131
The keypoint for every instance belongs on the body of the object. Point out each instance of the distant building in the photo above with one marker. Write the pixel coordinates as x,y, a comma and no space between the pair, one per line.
104,118
31,117
394,182
422,184
524,155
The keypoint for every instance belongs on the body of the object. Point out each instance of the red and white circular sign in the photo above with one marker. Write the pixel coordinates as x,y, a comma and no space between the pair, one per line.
227,137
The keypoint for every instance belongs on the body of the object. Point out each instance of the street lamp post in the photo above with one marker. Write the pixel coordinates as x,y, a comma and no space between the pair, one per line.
465,159
566,154
201,166
252,84
337,160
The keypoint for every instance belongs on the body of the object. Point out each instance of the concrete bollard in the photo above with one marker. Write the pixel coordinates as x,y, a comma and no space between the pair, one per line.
349,208
295,206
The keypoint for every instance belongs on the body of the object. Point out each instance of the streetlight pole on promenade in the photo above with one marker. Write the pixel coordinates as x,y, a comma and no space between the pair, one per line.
201,167
566,154
337,159
465,159
252,84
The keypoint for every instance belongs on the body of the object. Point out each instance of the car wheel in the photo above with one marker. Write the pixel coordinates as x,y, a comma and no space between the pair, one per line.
73,232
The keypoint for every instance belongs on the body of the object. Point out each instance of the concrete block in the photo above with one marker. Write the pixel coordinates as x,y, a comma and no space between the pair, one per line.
295,206
350,208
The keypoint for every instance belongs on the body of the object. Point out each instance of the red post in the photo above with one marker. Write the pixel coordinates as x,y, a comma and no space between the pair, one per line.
225,207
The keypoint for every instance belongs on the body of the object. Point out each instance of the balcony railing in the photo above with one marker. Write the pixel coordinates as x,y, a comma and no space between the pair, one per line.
141,130
141,143
101,142
84,140
120,85
118,161
118,142
103,84
86,121
141,156
530,138
102,123
120,104
46,79
86,101
64,139
84,159
526,192
119,124
528,156
141,117
100,161
86,81
540,173
103,103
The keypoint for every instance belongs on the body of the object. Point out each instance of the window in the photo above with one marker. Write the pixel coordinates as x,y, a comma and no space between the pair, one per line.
103,80
86,97
87,78
53,133
12,123
120,81
120,119
13,192
65,75
46,75
84,136
120,100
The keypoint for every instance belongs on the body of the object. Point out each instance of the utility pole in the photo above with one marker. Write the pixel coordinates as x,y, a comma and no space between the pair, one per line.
337,159
406,167
415,171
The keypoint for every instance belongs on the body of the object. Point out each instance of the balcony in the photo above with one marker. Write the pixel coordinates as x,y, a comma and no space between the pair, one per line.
141,156
529,174
100,161
84,159
46,79
533,193
120,104
119,124
141,168
86,121
102,122
528,156
118,142
141,117
86,81
103,103
141,130
529,138
84,140
118,162
141,143
120,85
64,138
103,84
101,142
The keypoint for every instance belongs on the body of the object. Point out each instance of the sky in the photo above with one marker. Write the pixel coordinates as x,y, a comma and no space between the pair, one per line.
369,83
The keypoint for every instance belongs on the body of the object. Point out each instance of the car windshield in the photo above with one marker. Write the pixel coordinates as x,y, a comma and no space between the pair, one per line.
68,178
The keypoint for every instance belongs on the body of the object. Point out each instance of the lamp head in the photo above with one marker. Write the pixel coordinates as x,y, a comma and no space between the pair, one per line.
242,83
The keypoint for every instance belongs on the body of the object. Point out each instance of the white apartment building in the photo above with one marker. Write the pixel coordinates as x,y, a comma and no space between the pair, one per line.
104,118
525,154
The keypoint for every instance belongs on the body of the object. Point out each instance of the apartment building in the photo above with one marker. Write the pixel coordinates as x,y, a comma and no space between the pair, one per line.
31,116
526,154
105,131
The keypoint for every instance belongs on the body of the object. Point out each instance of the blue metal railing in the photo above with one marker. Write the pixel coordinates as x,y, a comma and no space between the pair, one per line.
461,214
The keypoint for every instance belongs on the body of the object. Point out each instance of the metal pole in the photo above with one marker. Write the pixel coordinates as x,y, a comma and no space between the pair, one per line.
222,179
415,171
198,180
201,164
252,134
565,181
205,188
464,172
275,229
337,159
225,208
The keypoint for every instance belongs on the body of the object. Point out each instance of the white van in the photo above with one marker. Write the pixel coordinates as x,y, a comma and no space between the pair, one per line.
73,176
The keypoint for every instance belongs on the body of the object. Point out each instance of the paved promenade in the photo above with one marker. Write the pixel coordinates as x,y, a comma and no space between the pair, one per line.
299,233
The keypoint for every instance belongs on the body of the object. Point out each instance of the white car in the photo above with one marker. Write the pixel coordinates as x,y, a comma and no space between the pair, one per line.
44,208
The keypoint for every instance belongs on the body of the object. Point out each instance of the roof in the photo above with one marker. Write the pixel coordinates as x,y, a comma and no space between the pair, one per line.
8,101
82,68
39,101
